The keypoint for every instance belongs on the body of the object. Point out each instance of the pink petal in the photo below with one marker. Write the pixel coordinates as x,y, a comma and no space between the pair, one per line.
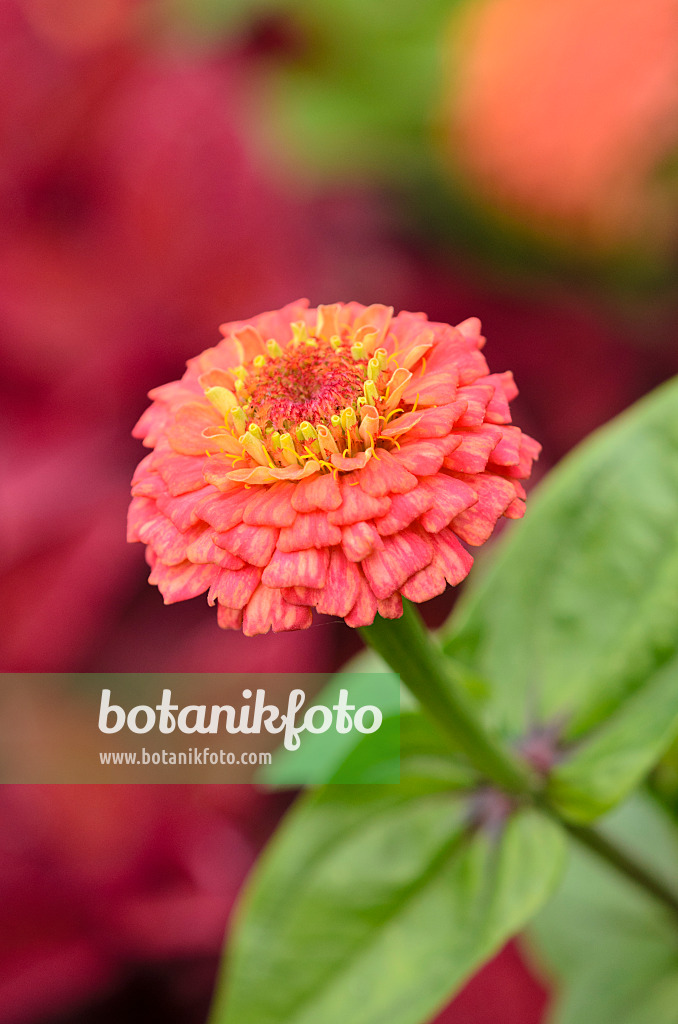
181,582
365,608
342,585
312,529
516,509
351,462
217,470
505,391
254,544
168,543
451,347
376,316
359,540
357,506
477,444
385,475
318,492
428,423
406,328
431,388
229,618
203,550
288,616
138,514
471,329
450,496
529,451
234,588
181,473
426,457
495,494
185,433
306,596
403,554
471,364
183,510
306,568
216,377
391,607
151,424
150,485
478,396
251,341
271,506
268,609
144,468
405,508
222,511
451,557
507,452
425,584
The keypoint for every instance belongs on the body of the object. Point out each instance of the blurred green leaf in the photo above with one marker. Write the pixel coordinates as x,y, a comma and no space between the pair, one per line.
575,622
373,904
611,949
361,94
346,757
606,767
335,758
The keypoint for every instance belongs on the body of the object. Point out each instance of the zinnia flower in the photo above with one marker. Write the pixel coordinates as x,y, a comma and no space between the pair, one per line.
331,458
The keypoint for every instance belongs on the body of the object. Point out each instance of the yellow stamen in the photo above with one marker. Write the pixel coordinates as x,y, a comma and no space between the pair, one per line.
327,443
222,399
382,437
371,392
366,336
308,432
373,369
288,451
255,449
348,418
299,332
237,414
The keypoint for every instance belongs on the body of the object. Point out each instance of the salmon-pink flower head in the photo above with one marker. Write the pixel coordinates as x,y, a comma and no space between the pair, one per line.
331,458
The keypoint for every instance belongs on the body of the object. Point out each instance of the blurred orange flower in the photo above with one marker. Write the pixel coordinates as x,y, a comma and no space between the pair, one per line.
565,112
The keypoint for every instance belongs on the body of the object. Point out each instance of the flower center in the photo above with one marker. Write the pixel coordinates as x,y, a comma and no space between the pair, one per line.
316,397
311,381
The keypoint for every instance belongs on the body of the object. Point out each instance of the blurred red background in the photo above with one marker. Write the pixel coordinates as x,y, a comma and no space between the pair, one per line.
150,189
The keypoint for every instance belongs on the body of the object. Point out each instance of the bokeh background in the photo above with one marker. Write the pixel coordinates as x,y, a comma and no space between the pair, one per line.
166,165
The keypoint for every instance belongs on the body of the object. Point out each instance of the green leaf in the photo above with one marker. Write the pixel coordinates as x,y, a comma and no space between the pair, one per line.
346,757
373,904
608,765
575,622
612,950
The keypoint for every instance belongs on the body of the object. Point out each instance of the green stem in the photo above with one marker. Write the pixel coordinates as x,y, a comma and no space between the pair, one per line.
411,651
414,653
625,864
